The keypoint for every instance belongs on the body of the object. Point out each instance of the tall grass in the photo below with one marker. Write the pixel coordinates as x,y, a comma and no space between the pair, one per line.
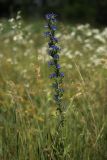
27,111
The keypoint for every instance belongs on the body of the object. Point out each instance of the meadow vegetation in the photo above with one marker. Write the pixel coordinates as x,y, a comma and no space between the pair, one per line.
27,109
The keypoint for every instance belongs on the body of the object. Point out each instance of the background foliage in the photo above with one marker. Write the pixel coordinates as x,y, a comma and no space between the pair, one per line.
94,11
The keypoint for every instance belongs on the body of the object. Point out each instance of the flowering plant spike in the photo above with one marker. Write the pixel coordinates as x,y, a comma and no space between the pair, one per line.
57,76
53,51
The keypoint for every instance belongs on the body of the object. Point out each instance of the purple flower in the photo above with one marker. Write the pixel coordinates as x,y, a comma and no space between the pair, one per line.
56,56
58,66
53,28
61,74
53,75
53,51
54,47
50,16
51,63
54,39
47,34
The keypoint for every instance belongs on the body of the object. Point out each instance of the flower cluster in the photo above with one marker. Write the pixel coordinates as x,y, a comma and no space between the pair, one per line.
53,51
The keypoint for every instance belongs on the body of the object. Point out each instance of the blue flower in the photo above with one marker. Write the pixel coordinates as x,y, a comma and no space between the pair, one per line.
58,66
51,63
56,56
50,16
61,74
53,28
47,34
54,39
53,52
53,75
54,47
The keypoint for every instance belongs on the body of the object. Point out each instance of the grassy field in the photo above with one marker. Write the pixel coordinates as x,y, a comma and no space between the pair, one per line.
27,111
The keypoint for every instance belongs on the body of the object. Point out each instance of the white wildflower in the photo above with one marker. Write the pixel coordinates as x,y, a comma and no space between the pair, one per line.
100,38
11,20
69,54
78,53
